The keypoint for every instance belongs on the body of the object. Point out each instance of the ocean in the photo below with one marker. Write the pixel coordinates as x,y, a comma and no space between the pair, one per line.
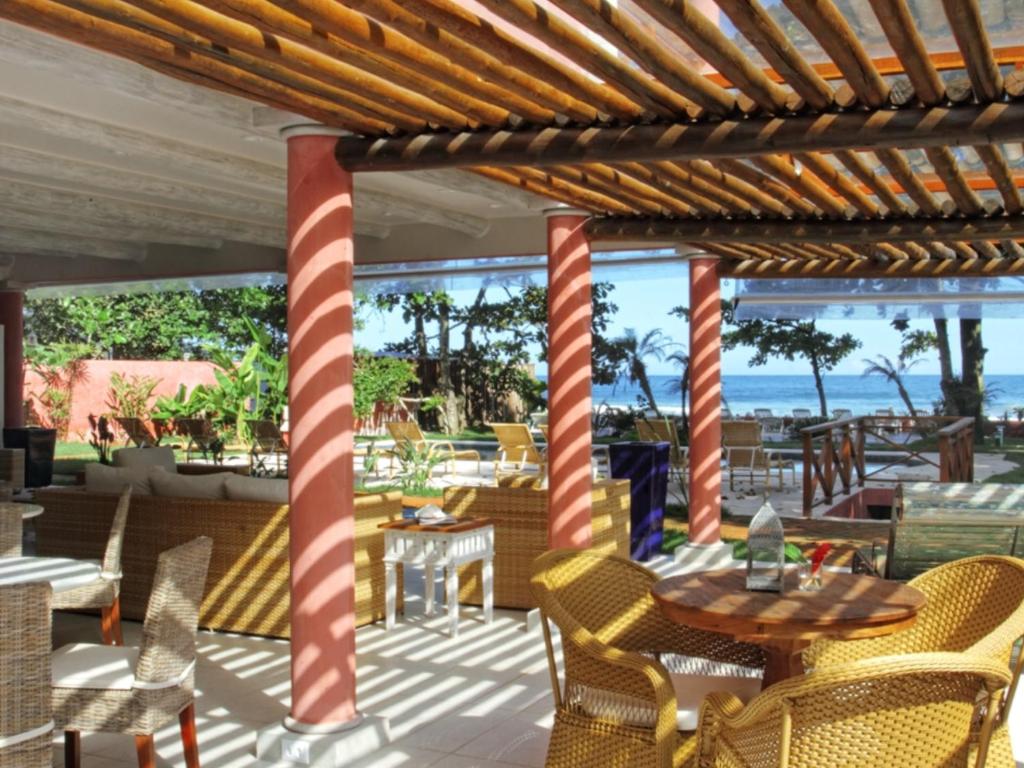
860,394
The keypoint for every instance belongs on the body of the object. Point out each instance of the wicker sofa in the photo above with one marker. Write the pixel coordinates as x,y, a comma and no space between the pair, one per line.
520,516
247,585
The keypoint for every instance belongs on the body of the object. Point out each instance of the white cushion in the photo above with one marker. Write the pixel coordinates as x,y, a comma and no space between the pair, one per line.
691,689
82,665
243,488
146,457
100,478
188,486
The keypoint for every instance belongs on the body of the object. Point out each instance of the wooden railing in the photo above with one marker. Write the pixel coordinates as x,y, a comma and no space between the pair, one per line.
834,452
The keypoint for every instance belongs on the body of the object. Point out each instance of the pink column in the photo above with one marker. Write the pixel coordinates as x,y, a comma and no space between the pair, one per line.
569,356
12,308
322,524
705,401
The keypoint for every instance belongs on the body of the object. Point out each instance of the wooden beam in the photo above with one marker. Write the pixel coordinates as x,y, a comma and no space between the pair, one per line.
946,168
936,126
899,27
47,243
968,27
1000,176
822,232
753,269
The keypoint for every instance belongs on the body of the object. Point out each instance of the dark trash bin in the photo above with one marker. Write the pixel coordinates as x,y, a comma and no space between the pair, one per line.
646,466
39,446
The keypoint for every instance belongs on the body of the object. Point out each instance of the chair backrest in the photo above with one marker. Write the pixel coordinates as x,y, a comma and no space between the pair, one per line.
265,433
10,530
745,443
169,631
974,605
197,429
516,441
406,432
916,711
842,413
660,431
762,413
115,542
802,413
136,429
25,675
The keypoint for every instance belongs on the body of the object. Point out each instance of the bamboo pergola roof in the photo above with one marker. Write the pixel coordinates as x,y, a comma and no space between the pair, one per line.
794,138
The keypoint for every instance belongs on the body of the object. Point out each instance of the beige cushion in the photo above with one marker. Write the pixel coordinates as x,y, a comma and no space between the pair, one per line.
106,667
691,690
188,486
242,488
100,478
146,457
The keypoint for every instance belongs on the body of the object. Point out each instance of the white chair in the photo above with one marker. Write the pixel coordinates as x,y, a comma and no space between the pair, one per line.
802,413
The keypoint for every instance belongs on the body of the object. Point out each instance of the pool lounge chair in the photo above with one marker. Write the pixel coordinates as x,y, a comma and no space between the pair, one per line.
771,425
842,414
802,413
268,446
410,440
516,449
136,431
664,431
745,454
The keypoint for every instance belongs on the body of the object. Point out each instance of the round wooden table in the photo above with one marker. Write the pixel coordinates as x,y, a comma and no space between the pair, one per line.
847,606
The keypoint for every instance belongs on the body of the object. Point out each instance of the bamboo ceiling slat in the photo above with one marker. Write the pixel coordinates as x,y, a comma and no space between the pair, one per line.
681,18
671,186
804,184
896,163
625,190
285,55
768,38
450,15
528,81
387,51
1012,249
539,182
995,163
767,183
965,20
736,186
720,194
574,45
986,250
833,33
963,250
940,250
872,183
636,42
642,182
830,175
945,166
898,24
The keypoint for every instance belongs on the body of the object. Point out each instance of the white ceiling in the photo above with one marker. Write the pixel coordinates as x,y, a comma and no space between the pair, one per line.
109,171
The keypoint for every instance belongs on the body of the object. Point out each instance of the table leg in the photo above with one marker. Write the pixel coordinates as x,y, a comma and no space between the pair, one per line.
428,590
487,569
783,660
390,594
452,584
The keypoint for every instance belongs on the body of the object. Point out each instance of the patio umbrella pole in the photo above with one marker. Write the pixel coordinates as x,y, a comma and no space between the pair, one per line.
324,728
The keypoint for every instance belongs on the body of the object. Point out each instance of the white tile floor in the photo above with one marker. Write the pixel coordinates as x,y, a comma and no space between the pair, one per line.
482,700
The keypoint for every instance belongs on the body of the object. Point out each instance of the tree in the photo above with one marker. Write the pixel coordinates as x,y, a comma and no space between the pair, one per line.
637,351
893,372
791,339
681,387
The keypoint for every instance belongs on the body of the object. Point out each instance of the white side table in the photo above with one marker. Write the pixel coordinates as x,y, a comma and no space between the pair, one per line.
439,546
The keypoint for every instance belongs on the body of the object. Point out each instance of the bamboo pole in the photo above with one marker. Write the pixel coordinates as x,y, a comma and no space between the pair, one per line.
717,193
528,83
386,53
896,163
855,165
945,166
682,19
541,183
670,185
613,183
637,43
968,27
452,17
803,184
820,166
863,130
764,182
280,54
831,30
898,24
754,269
862,231
764,33
995,163
742,189
575,46
108,37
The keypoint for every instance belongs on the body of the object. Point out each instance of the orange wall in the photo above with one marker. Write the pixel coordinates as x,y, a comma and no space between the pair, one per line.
91,393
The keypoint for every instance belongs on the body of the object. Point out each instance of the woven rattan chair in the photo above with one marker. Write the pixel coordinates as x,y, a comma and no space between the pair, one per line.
516,449
916,711
10,530
26,727
745,454
664,431
139,690
410,440
618,706
104,594
975,605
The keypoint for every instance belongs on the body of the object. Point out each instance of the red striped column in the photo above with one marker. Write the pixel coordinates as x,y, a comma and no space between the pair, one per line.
705,402
569,374
320,399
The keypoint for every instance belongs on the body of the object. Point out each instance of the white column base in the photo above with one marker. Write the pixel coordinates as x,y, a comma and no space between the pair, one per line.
705,557
279,746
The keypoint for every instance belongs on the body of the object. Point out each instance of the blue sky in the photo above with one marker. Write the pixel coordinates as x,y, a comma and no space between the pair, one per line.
644,305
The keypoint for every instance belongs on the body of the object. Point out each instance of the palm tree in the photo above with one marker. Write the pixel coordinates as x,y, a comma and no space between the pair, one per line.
894,372
636,351
681,387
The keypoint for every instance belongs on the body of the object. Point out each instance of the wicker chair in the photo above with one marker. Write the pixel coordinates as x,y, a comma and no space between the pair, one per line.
409,439
916,711
26,728
745,454
618,706
104,594
516,449
10,530
975,605
138,691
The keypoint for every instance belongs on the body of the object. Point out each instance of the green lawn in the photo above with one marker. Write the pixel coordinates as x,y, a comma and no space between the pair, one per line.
1014,475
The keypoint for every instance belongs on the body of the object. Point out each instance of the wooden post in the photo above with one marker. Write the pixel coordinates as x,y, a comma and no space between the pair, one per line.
12,309
808,489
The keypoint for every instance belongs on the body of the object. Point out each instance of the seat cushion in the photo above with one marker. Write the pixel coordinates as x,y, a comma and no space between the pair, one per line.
189,486
105,667
691,689
100,478
243,488
159,456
